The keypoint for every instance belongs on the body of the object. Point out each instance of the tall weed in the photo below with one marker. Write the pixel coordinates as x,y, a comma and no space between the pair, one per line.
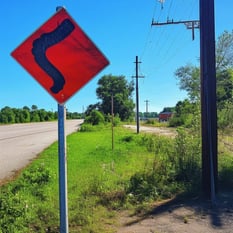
187,156
176,166
225,172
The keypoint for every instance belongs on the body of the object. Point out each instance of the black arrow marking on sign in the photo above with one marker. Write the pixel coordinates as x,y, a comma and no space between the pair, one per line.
44,42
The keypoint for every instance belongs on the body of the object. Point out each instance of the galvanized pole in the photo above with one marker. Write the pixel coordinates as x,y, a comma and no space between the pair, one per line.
62,169
63,203
208,99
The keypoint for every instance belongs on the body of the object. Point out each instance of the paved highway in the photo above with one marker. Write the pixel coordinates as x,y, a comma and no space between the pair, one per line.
20,143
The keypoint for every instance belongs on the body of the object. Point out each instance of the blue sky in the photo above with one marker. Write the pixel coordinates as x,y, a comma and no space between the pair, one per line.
121,30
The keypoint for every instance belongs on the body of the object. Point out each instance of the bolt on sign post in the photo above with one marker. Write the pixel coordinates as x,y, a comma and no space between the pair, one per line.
62,59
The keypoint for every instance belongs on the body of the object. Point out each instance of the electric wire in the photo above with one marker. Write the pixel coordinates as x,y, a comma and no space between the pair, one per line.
148,34
170,33
169,9
163,42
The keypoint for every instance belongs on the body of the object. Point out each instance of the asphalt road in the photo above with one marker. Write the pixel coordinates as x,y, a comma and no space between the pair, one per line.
20,143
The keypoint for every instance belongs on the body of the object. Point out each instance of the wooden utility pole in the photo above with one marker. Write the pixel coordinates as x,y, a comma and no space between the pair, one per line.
112,113
147,104
137,93
208,99
208,93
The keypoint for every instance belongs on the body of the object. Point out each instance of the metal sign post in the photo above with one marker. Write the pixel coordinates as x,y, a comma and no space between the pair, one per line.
62,169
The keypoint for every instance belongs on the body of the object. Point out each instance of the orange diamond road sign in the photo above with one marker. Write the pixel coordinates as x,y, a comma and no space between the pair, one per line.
60,56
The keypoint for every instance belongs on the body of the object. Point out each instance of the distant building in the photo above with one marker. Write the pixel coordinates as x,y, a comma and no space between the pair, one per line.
165,116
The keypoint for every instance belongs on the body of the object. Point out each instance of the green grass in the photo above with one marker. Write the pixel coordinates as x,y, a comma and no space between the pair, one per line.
102,181
94,171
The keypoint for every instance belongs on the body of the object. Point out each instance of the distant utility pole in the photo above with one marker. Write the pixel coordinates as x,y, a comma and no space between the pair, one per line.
137,94
190,24
147,104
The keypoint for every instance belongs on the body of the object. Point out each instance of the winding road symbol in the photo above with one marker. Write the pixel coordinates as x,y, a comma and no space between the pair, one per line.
60,56
40,47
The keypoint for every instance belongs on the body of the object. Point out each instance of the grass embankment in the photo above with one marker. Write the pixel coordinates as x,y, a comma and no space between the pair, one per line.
97,176
101,181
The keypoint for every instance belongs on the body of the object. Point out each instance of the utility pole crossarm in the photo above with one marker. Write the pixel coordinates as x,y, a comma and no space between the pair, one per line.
190,24
176,22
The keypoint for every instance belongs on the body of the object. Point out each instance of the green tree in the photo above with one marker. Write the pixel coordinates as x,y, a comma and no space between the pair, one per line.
43,115
122,96
7,115
189,75
168,109
224,51
95,118
92,107
224,88
189,80
17,114
34,107
35,116
24,116
185,113
76,115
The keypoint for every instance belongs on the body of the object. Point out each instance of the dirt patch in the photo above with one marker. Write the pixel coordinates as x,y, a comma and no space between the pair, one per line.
177,216
156,130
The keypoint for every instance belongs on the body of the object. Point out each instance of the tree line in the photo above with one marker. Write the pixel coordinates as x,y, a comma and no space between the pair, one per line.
10,115
115,93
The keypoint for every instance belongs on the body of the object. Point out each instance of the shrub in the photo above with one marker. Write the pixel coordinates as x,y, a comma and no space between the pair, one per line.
183,120
127,138
225,118
38,175
176,121
12,213
226,172
187,156
95,118
86,127
150,121
155,183
116,119
176,165
156,143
